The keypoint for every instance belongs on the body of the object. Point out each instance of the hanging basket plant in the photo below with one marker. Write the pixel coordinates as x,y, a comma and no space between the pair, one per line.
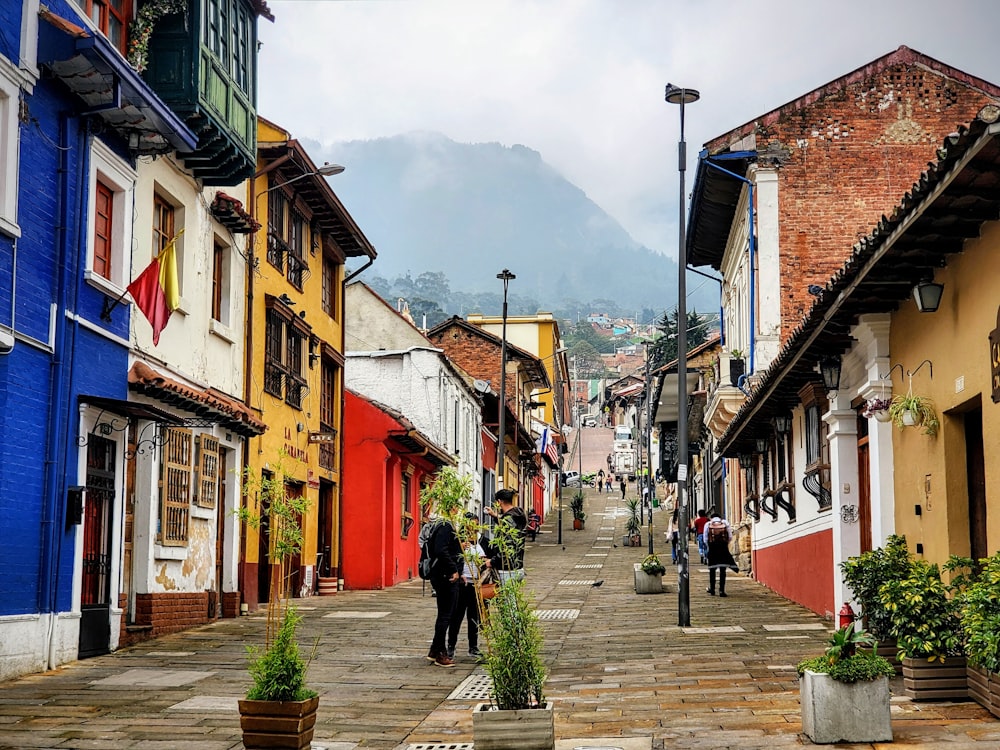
877,408
914,411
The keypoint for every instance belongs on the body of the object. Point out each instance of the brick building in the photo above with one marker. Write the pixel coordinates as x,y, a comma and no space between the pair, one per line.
778,206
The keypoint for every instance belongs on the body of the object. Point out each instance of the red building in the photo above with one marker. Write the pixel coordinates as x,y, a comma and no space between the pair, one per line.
386,463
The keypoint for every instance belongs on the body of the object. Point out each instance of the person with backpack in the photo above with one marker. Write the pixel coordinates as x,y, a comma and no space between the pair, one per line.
717,535
443,553
505,552
467,602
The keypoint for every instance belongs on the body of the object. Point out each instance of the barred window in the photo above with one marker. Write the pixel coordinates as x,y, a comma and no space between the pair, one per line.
175,493
207,467
283,354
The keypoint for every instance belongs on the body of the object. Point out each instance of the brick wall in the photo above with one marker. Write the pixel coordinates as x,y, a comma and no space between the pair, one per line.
850,155
169,613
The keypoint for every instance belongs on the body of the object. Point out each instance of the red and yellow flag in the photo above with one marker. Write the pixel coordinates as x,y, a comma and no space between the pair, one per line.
156,290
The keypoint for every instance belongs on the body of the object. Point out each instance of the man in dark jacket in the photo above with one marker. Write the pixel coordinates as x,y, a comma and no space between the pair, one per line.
506,550
446,554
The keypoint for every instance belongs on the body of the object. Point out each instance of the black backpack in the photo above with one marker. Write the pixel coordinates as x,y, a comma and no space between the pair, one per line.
426,564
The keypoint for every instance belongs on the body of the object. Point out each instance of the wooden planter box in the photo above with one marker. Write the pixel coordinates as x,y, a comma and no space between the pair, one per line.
856,712
935,681
984,688
278,724
887,650
525,729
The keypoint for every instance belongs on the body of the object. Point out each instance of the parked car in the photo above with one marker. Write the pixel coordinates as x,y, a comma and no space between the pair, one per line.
570,478
590,420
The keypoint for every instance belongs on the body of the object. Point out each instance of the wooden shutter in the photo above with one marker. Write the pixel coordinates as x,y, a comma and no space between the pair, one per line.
175,488
104,201
207,472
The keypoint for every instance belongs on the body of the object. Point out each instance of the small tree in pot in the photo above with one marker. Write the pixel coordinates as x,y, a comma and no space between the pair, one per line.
576,507
518,714
279,710
980,615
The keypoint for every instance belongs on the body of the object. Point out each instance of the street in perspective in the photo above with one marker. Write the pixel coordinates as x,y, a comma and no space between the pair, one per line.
622,674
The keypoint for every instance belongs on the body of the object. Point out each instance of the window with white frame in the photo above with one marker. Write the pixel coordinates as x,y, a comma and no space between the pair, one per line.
222,260
109,210
10,93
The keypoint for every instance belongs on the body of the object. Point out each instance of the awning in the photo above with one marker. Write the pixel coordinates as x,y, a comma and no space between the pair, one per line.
124,408
209,404
93,69
666,411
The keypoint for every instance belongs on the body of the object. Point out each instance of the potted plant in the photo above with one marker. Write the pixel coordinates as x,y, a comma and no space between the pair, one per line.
877,408
279,711
864,576
845,692
576,507
914,411
737,367
518,714
649,575
929,638
633,529
980,615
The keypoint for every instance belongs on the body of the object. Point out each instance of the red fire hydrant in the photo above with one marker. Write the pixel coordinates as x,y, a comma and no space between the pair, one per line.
846,615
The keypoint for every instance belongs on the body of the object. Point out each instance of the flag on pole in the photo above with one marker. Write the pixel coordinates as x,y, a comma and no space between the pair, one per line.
156,290
547,446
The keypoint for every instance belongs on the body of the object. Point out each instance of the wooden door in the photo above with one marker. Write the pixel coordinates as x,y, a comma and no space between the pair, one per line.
864,486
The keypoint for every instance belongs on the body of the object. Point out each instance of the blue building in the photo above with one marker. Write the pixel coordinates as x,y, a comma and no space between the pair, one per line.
79,125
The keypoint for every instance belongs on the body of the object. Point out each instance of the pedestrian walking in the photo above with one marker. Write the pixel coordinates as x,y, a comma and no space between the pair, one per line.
699,531
505,552
466,601
717,535
623,487
607,483
445,552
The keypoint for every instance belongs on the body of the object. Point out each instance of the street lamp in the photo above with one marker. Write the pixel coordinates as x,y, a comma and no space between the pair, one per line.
677,95
505,276
649,446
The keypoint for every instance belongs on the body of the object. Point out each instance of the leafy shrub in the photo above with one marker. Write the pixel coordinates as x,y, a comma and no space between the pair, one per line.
279,672
866,573
844,663
924,615
980,615
651,565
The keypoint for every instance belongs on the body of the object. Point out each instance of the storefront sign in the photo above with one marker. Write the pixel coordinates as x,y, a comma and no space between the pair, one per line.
322,437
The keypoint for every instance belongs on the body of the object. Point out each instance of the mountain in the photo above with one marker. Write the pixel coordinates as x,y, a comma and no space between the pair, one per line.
430,204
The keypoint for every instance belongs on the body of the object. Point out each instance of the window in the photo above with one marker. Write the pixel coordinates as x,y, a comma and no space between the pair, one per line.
221,274
175,500
228,30
10,99
111,17
816,478
284,338
286,238
206,471
328,411
406,503
110,191
163,224
329,296
104,214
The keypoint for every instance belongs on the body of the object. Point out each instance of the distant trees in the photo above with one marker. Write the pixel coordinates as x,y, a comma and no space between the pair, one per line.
664,349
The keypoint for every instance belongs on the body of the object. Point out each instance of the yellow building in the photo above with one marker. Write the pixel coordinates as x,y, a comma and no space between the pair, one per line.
295,344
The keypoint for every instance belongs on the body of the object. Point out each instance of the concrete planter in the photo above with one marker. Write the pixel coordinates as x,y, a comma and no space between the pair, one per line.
935,681
525,729
646,583
844,712
278,724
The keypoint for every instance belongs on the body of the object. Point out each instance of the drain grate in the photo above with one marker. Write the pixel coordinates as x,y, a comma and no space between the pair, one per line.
441,746
576,583
558,614
604,538
475,687
590,565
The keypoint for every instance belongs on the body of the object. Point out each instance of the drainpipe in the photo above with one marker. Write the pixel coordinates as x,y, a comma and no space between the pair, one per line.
704,156
58,433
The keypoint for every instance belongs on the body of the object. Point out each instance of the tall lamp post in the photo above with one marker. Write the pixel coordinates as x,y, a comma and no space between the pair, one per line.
505,276
677,95
649,447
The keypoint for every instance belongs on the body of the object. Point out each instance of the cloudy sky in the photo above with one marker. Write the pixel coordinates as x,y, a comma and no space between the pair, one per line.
582,81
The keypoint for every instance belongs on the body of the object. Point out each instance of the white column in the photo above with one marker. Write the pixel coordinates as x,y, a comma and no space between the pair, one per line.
843,436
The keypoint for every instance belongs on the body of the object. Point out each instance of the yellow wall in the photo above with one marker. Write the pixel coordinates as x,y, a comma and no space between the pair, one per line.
956,341
289,427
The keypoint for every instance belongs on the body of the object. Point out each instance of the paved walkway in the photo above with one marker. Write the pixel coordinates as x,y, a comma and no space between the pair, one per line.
623,674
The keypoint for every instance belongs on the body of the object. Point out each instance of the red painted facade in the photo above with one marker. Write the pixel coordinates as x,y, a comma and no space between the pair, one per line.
379,528
800,570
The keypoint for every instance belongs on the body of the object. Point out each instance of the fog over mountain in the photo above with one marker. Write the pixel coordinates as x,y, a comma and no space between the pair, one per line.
429,204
